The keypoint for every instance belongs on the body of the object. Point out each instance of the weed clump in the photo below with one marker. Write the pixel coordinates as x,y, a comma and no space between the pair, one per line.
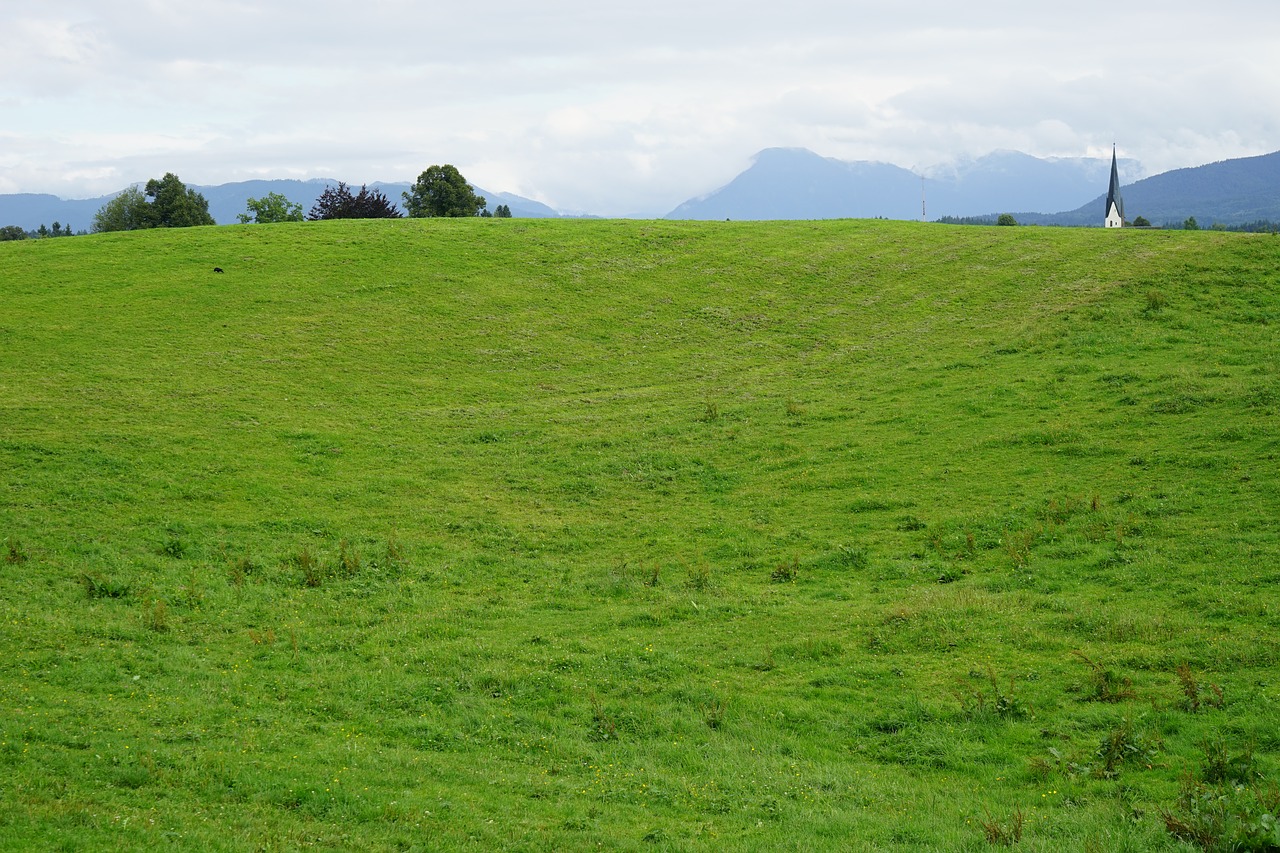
240,569
156,616
348,560
395,552
14,552
1225,818
1105,684
699,577
174,546
1193,697
713,713
1003,835
603,726
1221,767
786,572
1119,746
312,574
96,586
1005,704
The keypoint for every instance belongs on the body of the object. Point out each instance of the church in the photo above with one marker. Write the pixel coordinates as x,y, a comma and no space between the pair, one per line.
1115,204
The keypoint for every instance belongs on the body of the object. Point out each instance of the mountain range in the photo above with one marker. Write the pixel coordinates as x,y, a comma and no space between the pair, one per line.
790,183
795,183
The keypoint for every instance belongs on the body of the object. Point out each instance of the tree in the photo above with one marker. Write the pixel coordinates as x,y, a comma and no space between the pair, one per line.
1006,219
503,212
1141,222
173,205
165,203
1191,224
129,211
273,207
442,191
338,203
12,232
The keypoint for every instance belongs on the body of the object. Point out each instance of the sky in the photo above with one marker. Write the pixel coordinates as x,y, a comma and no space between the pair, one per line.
615,108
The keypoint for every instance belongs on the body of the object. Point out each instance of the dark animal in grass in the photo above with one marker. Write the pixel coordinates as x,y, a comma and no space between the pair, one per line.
217,269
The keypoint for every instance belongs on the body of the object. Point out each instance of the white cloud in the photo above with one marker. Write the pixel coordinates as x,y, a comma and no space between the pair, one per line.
615,109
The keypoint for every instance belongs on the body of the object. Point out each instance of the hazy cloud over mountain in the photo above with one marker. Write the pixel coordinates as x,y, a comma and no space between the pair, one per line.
615,109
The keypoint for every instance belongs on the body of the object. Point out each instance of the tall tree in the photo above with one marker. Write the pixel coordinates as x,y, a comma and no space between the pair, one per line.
173,205
442,191
339,203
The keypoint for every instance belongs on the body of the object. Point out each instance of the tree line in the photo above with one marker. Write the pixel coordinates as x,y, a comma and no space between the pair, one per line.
17,232
168,203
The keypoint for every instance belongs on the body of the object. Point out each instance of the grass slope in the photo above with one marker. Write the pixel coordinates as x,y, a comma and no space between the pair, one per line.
549,535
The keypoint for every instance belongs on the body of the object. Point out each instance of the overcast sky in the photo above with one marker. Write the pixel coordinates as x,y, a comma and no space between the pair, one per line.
615,108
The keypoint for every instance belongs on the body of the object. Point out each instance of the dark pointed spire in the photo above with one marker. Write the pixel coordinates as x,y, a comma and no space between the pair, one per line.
1113,194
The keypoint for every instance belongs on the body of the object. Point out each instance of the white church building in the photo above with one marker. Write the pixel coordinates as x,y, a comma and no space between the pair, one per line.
1115,204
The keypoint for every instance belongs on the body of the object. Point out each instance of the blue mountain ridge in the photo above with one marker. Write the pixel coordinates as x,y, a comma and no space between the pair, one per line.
795,183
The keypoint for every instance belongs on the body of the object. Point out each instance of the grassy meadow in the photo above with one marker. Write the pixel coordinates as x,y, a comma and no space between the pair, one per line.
564,535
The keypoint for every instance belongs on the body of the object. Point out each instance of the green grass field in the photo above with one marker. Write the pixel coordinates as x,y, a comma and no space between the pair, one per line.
561,535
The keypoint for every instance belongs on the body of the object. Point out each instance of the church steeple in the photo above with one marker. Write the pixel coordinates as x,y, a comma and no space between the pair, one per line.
1115,204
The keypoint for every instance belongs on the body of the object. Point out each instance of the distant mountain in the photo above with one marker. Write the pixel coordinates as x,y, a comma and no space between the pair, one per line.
226,202
31,210
794,183
1231,192
1004,181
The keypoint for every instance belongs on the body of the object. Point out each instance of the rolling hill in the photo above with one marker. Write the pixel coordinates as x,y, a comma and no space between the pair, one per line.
559,535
